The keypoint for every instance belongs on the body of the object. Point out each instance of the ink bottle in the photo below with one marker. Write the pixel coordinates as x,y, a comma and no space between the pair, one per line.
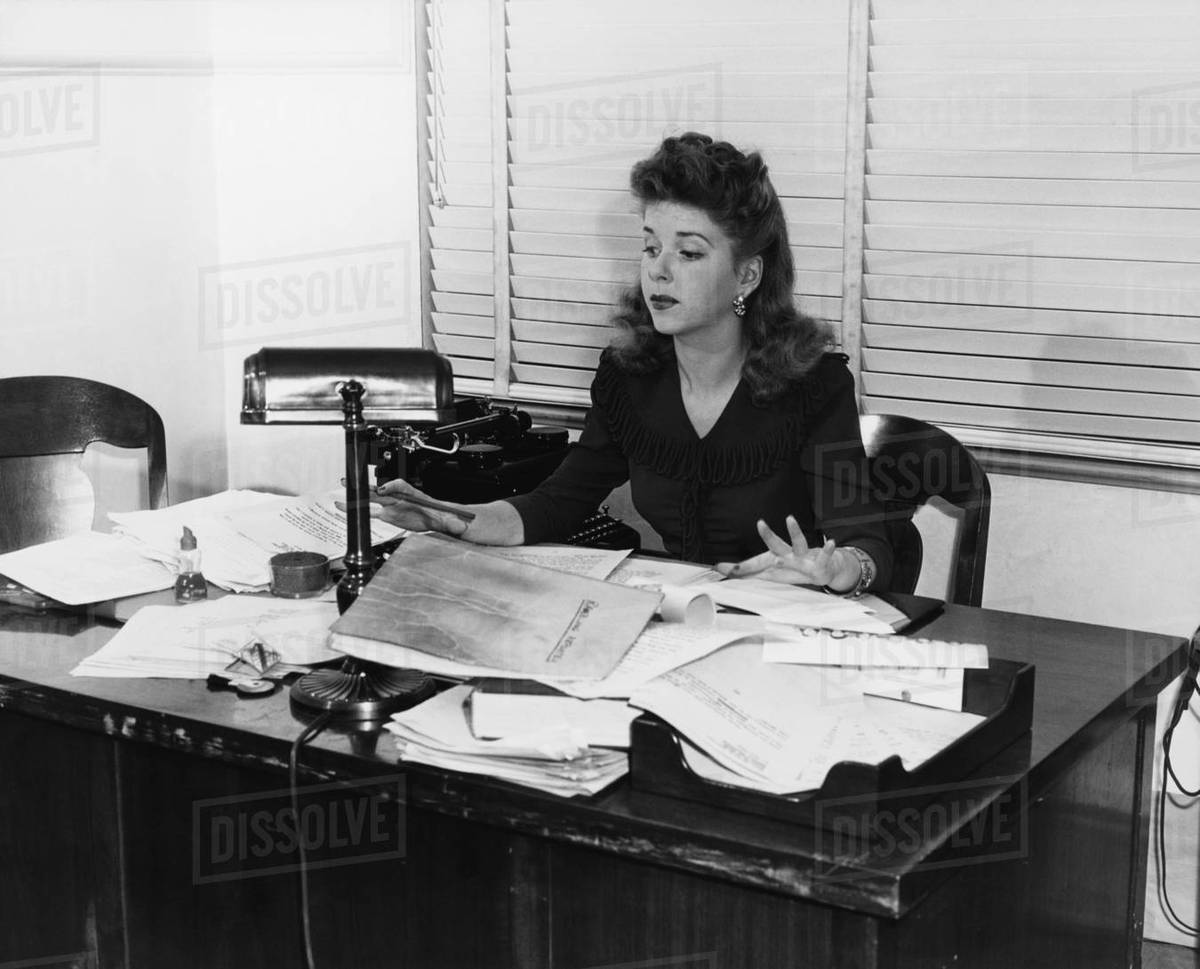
190,585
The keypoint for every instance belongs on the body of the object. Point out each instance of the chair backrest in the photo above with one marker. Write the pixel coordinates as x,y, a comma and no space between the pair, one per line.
912,461
45,423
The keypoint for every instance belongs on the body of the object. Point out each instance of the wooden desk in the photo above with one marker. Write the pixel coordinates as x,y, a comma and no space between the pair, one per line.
107,860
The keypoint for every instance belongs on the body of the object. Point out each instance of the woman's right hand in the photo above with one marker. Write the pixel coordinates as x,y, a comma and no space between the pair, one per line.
387,502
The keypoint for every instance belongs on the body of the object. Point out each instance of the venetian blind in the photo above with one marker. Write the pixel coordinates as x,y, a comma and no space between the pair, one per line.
587,89
1032,223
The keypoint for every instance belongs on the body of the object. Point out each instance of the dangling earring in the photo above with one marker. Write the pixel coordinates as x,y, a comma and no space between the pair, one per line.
739,305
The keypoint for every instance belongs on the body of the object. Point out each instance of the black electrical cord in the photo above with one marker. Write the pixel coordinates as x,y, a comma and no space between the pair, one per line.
307,734
1186,690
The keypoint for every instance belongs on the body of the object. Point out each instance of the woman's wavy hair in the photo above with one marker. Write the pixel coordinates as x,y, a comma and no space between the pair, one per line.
735,191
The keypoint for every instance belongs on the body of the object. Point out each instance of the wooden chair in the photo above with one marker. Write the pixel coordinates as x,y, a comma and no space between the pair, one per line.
45,425
911,462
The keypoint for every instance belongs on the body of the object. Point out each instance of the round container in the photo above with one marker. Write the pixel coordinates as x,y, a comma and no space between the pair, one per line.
297,575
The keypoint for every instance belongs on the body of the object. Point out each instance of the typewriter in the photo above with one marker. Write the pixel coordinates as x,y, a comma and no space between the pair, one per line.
488,452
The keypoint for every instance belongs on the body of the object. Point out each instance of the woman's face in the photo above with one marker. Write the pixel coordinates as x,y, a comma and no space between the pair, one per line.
689,273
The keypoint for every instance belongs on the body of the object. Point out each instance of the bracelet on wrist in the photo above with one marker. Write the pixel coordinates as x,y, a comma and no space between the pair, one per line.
866,574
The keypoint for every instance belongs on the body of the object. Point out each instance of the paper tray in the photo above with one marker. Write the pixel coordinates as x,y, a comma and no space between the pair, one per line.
853,793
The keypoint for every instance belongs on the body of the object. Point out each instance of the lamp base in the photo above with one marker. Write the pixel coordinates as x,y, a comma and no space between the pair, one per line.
361,691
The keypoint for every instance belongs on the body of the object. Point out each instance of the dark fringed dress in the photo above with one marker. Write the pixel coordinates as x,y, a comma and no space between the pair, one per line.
800,455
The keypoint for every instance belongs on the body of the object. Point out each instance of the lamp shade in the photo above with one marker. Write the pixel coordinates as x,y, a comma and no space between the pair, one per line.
299,385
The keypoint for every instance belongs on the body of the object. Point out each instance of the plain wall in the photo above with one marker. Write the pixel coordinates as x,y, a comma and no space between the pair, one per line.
210,178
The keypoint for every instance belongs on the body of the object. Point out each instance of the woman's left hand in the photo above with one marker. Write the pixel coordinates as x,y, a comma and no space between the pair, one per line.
795,562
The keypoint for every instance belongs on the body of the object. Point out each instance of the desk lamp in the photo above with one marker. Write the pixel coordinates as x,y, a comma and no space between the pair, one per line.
373,393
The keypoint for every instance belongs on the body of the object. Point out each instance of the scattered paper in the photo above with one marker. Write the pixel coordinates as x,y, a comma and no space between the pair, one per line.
681,604
594,563
942,688
228,558
662,647
781,727
204,637
793,604
89,567
654,573
823,647
312,523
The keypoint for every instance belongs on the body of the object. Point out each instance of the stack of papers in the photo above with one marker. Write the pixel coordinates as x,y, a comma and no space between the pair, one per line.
237,532
779,728
192,641
553,759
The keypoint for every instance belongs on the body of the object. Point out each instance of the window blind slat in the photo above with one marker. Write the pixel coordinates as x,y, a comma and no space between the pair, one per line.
463,346
457,324
563,311
1023,292
989,11
1086,245
461,260
464,303
1065,31
552,376
1078,400
1034,191
799,82
999,265
749,57
636,12
1059,218
605,34
449,238
1116,326
1079,165
556,354
954,360
1035,422
539,331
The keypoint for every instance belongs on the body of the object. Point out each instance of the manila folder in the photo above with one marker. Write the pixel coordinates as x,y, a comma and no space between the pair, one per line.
453,600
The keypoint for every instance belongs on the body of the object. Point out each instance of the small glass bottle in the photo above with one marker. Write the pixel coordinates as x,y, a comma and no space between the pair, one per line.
190,585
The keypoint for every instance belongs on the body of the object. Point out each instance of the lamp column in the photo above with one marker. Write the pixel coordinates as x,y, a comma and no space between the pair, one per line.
359,559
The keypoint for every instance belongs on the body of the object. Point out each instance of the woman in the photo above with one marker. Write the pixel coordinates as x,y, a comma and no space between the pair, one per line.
716,400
